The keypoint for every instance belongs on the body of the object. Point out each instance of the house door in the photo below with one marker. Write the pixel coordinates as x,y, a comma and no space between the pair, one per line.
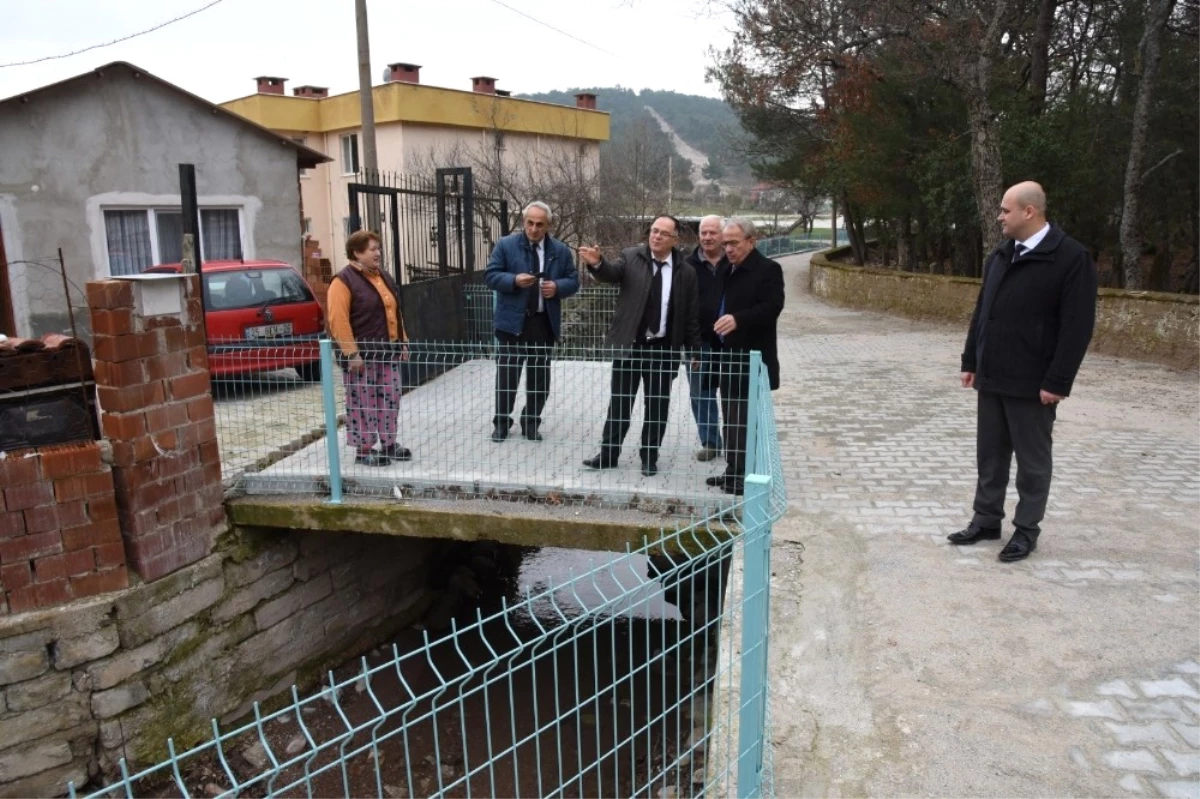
7,323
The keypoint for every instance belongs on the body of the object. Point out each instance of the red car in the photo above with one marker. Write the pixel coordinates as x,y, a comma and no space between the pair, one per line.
261,316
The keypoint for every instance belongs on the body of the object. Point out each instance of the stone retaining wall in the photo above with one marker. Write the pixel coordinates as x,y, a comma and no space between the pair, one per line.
113,676
1151,326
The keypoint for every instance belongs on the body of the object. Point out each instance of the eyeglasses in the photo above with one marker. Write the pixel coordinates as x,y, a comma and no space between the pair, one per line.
664,233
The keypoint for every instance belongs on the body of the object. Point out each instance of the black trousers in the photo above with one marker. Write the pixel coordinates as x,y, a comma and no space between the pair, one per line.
733,381
1007,425
653,366
530,350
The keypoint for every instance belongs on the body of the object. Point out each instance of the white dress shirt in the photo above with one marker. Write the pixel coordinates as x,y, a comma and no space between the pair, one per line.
666,297
1033,240
540,250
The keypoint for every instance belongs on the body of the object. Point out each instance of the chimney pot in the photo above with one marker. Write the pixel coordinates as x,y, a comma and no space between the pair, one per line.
269,85
404,73
585,100
483,85
310,91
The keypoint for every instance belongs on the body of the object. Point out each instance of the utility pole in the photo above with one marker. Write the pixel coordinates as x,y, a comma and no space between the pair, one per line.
370,159
670,181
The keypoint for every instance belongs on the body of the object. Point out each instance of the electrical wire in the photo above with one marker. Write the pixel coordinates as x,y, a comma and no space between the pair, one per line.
114,41
551,27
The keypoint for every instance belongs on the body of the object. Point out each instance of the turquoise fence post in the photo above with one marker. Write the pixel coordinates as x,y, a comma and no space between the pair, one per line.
331,426
752,411
752,710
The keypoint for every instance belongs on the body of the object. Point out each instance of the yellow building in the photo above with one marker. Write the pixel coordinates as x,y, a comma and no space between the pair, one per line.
417,128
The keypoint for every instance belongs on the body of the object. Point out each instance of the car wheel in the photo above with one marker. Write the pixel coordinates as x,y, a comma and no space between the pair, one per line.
310,372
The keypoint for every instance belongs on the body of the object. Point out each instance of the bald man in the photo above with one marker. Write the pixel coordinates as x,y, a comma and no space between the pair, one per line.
1031,327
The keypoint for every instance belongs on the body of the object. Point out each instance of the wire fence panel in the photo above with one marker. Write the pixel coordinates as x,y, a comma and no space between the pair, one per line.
777,246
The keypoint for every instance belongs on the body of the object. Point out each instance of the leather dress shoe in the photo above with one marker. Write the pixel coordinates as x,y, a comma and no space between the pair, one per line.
600,462
532,434
499,433
1018,547
716,481
973,535
735,487
649,469
396,452
372,459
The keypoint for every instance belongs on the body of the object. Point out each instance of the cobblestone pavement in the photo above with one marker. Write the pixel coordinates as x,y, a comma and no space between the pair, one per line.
904,666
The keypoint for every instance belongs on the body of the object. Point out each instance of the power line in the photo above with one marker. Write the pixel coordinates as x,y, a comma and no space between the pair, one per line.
114,41
551,27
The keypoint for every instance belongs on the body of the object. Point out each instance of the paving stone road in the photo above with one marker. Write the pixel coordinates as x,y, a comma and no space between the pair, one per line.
904,666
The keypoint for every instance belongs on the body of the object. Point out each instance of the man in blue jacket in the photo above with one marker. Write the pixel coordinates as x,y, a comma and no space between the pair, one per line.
531,273
1031,327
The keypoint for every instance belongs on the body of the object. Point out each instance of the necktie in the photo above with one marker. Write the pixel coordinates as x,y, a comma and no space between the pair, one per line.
652,315
1019,250
534,298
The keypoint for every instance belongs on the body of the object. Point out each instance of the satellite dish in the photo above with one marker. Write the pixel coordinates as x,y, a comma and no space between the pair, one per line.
387,74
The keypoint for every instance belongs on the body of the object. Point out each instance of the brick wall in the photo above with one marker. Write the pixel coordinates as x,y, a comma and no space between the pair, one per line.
86,684
59,535
1150,326
151,368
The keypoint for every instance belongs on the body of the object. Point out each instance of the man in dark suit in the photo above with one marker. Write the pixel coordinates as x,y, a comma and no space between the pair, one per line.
531,273
1029,332
656,316
750,304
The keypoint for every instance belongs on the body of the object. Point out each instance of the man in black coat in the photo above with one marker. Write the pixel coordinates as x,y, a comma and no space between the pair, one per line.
751,300
656,316
1029,332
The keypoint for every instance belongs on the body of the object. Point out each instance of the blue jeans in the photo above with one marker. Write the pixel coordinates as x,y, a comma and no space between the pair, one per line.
702,386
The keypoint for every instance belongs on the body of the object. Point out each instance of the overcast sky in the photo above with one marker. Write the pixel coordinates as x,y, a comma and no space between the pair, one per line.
656,44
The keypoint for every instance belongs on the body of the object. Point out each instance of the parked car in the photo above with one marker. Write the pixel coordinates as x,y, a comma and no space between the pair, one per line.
260,316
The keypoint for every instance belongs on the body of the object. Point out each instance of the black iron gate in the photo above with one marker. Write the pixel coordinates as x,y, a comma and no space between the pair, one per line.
431,227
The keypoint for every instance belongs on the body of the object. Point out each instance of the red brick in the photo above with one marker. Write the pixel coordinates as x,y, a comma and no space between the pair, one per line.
108,555
200,409
39,520
96,534
148,546
210,453
99,484
28,547
72,514
83,487
195,384
174,339
81,561
16,575
130,398
22,600
114,322
198,358
164,367
116,349
19,468
101,582
101,508
108,294
122,373
49,568
137,450
70,460
156,322
53,593
138,524
195,311
12,524
28,496
168,512
123,426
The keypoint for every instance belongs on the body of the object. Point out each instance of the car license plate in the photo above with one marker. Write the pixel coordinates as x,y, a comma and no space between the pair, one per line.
269,331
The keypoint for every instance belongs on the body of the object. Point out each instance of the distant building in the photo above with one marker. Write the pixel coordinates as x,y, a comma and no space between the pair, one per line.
90,164
417,128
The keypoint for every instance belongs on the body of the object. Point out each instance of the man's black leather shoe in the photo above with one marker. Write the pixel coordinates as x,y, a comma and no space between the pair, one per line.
972,535
499,433
649,469
398,453
1018,547
716,481
600,462
532,434
372,459
735,487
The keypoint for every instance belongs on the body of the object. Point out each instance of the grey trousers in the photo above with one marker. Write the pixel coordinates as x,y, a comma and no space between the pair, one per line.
1007,425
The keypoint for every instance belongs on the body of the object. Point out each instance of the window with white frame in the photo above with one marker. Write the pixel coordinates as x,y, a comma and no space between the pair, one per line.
142,237
349,153
303,142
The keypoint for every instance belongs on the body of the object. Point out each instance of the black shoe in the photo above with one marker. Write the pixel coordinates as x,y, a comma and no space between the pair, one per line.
600,462
396,452
532,434
649,469
372,459
716,481
735,487
1018,547
972,535
499,433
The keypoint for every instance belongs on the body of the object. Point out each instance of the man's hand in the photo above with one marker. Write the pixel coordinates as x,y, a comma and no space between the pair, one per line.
695,364
590,255
356,363
968,379
1050,399
549,289
524,280
725,325
404,351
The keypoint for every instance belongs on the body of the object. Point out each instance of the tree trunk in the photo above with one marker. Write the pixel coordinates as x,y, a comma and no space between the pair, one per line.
1039,68
1157,14
854,232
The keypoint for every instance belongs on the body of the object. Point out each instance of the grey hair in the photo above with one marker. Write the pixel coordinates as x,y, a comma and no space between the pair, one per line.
717,217
541,205
747,227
